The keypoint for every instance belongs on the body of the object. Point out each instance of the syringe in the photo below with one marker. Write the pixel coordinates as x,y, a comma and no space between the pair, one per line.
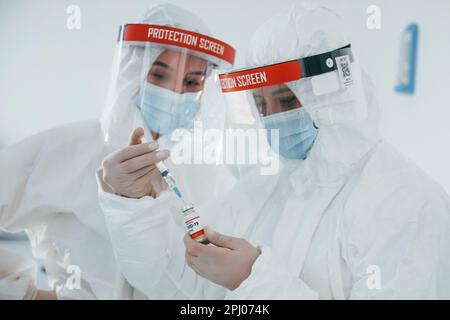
169,179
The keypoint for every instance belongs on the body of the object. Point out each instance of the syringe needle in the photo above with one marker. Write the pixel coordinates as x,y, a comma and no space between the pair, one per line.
169,180
177,192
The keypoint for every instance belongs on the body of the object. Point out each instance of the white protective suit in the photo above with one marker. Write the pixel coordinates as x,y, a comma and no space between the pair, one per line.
49,190
358,210
355,220
128,218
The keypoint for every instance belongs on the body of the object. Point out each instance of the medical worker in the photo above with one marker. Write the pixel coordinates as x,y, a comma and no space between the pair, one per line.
164,93
48,185
346,217
360,220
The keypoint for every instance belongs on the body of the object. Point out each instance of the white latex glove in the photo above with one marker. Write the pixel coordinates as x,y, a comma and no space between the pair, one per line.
131,171
228,263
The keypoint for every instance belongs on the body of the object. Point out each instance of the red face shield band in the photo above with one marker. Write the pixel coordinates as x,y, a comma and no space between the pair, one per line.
283,72
180,38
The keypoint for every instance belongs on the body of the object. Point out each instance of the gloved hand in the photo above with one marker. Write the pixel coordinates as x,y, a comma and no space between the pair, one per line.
131,171
228,263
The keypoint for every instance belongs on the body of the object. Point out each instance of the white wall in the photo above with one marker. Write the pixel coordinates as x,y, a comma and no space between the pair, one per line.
50,75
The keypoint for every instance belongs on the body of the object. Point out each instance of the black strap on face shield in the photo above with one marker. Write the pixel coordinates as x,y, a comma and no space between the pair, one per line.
323,63
287,71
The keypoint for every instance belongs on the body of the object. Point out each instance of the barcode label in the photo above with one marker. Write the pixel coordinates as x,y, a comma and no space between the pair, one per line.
345,72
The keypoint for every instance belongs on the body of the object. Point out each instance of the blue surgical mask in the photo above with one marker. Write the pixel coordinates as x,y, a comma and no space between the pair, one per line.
164,111
297,132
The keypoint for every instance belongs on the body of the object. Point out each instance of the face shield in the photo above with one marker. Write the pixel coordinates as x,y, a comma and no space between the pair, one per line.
159,79
299,98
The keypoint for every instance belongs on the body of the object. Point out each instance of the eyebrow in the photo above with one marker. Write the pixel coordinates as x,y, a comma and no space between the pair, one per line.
281,90
197,73
162,64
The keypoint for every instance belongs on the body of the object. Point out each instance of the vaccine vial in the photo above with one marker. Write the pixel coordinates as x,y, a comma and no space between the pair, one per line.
193,225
